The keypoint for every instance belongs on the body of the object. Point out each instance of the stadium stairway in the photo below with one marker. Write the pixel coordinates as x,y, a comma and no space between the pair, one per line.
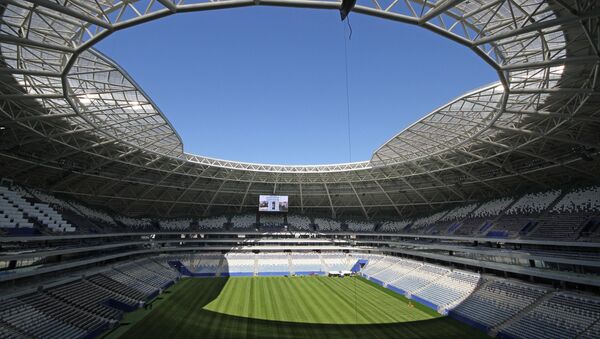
494,331
15,332
588,329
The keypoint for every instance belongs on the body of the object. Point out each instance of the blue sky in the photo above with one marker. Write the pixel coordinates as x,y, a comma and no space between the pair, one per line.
266,84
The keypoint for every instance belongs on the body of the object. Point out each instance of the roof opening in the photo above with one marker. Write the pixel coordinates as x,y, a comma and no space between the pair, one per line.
267,85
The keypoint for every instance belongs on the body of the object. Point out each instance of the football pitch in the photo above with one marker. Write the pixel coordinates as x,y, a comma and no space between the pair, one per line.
287,307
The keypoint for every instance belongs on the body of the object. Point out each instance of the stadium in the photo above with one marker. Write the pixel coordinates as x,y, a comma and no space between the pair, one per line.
480,219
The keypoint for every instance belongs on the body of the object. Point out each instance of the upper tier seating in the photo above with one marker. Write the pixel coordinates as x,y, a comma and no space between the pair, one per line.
422,223
93,213
524,211
327,225
299,222
244,221
360,226
135,223
11,216
175,224
477,220
212,224
271,221
13,202
451,220
393,226
569,215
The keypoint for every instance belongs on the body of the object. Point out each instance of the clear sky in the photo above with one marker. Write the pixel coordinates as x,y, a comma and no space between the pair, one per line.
267,84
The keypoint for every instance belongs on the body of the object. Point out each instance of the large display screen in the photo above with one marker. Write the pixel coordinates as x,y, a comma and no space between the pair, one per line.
273,203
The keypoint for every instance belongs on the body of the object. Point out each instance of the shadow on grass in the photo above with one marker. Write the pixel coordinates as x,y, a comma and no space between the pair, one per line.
183,316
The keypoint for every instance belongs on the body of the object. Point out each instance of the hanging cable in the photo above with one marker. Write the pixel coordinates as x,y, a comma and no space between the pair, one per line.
347,91
350,27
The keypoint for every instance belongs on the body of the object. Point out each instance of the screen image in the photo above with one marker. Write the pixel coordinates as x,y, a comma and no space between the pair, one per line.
273,203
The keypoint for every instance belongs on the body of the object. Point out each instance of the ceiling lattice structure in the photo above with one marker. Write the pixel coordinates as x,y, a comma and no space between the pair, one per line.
75,123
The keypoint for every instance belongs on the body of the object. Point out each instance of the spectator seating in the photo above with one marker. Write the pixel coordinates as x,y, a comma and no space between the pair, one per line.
241,263
498,301
14,203
422,223
35,323
524,212
327,225
420,277
299,222
78,309
135,223
244,221
563,315
273,263
483,216
303,263
450,289
393,226
569,215
175,224
212,224
11,216
451,220
360,226
337,262
205,264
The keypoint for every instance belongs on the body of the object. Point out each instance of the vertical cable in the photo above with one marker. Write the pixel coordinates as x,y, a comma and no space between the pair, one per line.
347,97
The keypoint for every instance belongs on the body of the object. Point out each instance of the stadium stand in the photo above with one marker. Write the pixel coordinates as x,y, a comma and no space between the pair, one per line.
570,215
211,224
497,301
135,223
175,224
17,210
243,221
562,315
522,216
486,210
306,263
394,226
299,222
452,220
481,219
327,225
360,226
273,264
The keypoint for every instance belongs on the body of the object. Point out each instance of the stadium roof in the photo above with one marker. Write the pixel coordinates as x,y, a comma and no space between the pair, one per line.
76,123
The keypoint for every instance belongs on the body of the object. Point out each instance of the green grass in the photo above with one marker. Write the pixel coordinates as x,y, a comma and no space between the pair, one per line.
300,307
